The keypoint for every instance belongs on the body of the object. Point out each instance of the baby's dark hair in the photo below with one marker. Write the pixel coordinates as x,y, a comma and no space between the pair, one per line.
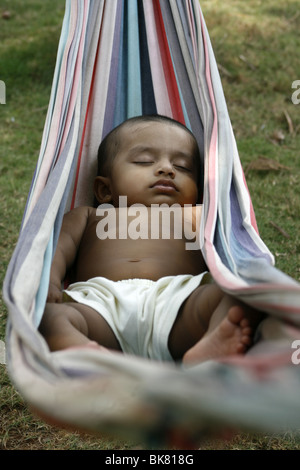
110,144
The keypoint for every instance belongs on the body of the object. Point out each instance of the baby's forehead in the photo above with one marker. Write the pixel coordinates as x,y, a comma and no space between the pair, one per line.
136,131
137,127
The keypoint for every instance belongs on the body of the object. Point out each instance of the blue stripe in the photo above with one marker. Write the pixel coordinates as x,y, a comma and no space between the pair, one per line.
112,103
134,96
120,106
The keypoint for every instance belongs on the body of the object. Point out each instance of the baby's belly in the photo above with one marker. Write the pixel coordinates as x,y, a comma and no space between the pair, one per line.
144,259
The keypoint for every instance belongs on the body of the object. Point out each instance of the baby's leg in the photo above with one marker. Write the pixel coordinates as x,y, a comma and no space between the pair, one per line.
232,335
211,324
66,325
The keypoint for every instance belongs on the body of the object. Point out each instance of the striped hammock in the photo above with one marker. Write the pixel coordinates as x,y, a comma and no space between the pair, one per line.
117,59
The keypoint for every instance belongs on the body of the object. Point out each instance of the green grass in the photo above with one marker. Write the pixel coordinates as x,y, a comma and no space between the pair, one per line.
256,46
257,49
28,45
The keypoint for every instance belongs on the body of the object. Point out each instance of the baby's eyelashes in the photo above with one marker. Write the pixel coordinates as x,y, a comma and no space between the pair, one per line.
177,167
147,161
184,168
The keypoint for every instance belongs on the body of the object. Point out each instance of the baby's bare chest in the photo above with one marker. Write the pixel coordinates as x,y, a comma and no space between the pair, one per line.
143,223
139,244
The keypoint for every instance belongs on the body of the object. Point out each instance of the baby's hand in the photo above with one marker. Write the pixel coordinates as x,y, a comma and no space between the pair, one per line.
55,294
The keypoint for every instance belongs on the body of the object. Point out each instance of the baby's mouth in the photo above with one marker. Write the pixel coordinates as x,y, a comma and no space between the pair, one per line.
165,185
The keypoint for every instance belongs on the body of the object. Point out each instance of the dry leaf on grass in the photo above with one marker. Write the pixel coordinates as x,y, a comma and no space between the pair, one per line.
265,164
289,121
6,15
280,229
277,137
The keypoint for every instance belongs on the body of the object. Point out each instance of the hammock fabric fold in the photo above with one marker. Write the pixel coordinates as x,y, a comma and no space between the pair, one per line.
117,59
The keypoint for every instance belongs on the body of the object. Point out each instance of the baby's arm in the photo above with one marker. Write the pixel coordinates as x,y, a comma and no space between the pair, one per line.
73,227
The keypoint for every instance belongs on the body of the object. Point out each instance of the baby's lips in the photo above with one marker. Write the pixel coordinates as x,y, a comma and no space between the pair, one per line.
165,183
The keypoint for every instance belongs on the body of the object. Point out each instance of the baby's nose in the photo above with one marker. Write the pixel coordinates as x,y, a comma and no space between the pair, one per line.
165,167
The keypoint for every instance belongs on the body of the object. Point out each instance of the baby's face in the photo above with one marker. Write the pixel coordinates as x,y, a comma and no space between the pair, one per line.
155,164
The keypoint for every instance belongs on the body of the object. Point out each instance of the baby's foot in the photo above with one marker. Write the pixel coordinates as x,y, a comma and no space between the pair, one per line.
232,336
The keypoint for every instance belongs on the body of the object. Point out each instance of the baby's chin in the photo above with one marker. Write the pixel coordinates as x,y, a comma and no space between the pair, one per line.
165,200
157,200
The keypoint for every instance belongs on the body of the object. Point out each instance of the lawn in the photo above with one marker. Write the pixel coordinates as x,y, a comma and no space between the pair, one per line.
257,46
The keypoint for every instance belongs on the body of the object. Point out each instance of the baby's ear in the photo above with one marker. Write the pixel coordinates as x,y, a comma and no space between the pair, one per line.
102,189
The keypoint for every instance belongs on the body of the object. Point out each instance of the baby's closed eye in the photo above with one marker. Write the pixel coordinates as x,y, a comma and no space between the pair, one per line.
184,168
142,162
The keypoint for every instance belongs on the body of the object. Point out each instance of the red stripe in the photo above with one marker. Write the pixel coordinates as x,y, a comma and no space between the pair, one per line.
84,129
174,96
